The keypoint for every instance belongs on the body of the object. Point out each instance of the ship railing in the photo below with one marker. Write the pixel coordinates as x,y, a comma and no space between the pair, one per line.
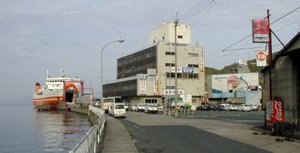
90,143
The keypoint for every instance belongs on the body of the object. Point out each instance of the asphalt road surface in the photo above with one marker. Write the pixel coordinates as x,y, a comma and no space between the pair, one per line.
255,118
156,137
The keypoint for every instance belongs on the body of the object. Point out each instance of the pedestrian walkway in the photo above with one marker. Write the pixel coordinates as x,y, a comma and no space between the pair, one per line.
117,138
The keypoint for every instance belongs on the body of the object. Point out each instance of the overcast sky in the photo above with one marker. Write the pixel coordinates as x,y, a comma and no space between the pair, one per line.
36,35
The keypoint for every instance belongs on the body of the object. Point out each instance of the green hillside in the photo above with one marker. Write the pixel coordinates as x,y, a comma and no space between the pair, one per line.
232,68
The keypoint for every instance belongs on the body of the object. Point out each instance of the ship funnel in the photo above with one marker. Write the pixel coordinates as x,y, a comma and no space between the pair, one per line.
37,87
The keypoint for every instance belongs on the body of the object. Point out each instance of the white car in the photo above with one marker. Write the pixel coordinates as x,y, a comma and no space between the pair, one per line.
233,107
254,107
133,108
151,108
140,108
245,108
126,106
118,110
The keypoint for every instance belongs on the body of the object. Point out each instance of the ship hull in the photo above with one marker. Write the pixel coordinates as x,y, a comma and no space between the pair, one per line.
48,103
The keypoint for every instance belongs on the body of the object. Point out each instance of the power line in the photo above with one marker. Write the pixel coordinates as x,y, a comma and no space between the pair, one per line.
252,33
236,42
237,49
197,9
192,9
286,15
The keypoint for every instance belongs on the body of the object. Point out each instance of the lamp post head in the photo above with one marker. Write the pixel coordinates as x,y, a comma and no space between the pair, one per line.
121,40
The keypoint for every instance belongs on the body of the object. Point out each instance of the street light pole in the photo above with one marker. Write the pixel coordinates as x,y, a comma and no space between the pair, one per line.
120,40
176,22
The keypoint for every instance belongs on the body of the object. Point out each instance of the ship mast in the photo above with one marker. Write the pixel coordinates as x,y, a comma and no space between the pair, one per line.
62,73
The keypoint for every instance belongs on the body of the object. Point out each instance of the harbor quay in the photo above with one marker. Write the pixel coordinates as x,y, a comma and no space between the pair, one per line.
108,135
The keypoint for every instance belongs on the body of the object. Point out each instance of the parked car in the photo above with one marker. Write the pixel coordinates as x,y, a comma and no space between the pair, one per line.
151,108
233,107
225,107
245,108
133,107
140,107
160,108
204,107
126,106
254,107
213,107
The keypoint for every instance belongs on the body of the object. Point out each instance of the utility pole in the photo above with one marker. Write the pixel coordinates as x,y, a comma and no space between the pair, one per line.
269,63
270,54
176,22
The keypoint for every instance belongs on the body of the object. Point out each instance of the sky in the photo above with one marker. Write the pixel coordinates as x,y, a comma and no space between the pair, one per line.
37,36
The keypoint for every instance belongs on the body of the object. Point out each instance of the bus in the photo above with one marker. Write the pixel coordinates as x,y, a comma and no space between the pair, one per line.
106,102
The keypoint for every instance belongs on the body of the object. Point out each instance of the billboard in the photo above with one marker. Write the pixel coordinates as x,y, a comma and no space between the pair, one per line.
260,31
233,85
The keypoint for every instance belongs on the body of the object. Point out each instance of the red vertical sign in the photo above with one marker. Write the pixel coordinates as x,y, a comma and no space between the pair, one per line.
260,31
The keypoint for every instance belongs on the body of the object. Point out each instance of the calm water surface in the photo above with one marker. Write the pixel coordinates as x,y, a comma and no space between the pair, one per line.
23,130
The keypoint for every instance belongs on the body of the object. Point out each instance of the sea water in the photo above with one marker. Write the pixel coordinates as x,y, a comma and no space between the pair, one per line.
24,130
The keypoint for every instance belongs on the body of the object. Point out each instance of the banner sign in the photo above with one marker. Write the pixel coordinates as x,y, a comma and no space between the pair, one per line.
260,31
187,70
261,58
143,87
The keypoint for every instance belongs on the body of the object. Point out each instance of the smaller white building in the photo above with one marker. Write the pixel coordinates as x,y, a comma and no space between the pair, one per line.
165,34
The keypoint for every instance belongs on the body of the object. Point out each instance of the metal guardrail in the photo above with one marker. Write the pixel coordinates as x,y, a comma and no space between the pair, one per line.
89,142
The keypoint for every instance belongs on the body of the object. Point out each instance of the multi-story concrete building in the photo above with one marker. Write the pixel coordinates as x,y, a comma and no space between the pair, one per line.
148,75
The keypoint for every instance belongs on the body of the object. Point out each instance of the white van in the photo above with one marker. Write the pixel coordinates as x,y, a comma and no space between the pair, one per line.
118,110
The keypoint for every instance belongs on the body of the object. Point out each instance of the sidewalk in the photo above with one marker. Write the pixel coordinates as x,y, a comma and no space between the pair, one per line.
296,134
116,138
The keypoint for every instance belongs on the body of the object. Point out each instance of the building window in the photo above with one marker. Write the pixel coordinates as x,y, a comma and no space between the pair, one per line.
150,100
170,64
179,36
170,53
170,87
193,75
172,75
193,54
193,65
185,76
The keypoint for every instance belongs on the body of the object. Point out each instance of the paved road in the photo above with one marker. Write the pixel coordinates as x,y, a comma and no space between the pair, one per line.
255,118
156,133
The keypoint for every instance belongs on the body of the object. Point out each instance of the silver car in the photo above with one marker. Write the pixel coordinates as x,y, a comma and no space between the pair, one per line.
151,108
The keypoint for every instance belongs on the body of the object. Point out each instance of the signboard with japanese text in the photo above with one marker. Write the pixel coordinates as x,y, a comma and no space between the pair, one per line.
143,87
260,31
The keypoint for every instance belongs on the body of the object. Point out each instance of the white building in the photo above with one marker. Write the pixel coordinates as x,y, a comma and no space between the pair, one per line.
148,75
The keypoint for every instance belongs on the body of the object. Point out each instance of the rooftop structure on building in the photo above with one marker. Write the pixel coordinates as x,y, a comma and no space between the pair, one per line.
165,34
